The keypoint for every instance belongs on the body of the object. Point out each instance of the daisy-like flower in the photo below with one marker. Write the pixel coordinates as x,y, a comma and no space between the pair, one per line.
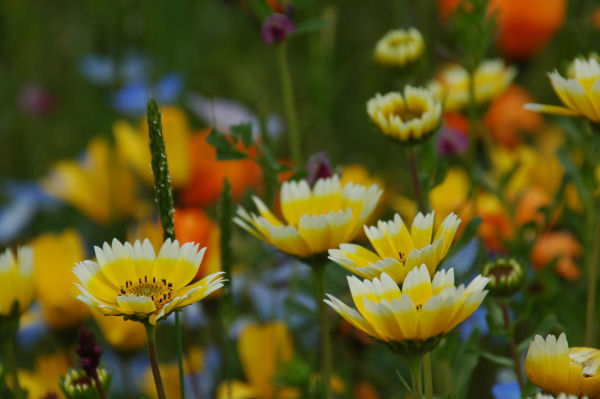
491,78
413,319
317,219
558,369
16,280
131,280
407,118
399,47
580,92
397,249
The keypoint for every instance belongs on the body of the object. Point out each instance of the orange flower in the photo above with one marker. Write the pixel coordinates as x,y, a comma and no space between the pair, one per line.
365,390
208,173
596,18
530,203
558,245
507,118
496,225
194,225
525,27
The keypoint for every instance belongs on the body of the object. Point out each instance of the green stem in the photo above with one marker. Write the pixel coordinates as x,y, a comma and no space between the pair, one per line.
289,105
514,353
592,270
153,355
473,121
319,280
428,376
414,172
179,347
415,365
9,351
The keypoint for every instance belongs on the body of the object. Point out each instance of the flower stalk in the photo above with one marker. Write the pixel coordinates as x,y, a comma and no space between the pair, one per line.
318,269
225,211
166,208
415,364
414,172
153,355
9,352
593,228
289,104
514,353
428,375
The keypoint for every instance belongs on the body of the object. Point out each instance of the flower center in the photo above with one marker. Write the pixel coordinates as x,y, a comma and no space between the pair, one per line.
159,291
401,257
405,114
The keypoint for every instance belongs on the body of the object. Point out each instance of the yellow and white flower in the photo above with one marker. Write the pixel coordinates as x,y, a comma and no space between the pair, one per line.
491,78
16,280
397,249
558,369
399,47
406,118
317,219
131,280
422,310
580,92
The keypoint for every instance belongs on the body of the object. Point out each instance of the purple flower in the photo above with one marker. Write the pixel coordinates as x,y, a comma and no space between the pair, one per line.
451,142
89,352
276,28
318,167
35,99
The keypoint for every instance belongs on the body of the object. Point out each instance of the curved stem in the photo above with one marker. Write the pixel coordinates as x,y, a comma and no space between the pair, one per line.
592,270
514,353
415,364
99,387
289,105
153,355
319,279
179,346
414,172
428,376
9,351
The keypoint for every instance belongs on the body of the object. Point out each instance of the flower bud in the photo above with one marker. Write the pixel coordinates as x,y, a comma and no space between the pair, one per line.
505,275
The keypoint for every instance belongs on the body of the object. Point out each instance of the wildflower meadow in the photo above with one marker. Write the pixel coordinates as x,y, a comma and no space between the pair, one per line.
300,199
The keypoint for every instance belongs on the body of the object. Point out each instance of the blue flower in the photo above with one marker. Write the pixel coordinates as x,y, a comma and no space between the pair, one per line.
132,98
506,390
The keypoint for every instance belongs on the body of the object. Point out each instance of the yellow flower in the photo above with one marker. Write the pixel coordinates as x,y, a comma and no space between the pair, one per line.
16,280
491,78
318,219
99,186
124,335
131,280
133,144
398,249
44,378
452,194
580,93
399,47
556,368
262,350
424,310
406,118
55,255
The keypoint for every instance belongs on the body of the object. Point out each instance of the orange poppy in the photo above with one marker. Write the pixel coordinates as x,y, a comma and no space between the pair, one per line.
507,118
208,174
524,27
559,245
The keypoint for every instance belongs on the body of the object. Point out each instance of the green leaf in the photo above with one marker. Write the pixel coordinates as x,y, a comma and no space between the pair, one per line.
403,381
309,25
260,8
498,359
225,150
469,232
242,131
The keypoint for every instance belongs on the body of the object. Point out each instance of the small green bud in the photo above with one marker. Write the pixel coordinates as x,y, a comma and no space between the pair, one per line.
505,274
